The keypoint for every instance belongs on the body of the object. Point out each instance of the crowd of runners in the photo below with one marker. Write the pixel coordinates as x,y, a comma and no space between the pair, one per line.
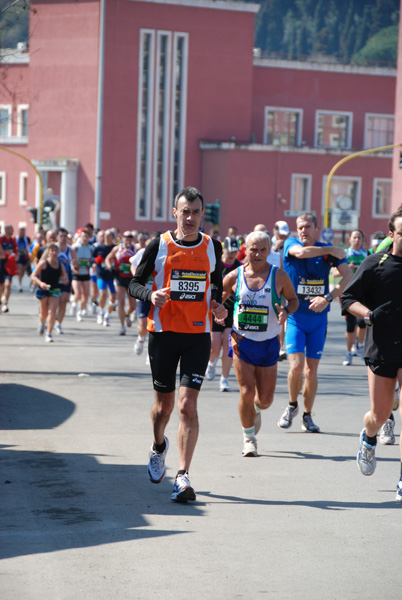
249,300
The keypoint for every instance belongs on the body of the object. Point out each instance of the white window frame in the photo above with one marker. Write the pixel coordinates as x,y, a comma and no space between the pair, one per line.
337,178
3,189
8,108
166,111
183,120
371,115
285,109
319,112
150,109
23,185
20,109
2,227
373,211
309,188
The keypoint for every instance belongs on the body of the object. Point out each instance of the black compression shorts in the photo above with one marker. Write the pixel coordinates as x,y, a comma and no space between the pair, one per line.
168,348
383,368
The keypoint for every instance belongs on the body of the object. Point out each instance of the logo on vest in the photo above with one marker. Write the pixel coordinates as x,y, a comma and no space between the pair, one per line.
187,296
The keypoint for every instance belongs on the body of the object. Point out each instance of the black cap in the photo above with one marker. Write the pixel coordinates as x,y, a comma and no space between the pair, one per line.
231,244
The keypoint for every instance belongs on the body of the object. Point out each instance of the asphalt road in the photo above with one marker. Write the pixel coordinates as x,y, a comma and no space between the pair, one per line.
79,518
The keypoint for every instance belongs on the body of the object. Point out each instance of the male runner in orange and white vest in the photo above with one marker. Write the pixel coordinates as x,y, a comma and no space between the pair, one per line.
187,287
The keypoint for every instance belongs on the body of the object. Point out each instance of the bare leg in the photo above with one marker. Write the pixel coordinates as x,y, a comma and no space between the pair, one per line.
382,390
187,433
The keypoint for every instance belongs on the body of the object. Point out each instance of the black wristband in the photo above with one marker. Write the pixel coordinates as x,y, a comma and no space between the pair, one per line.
286,308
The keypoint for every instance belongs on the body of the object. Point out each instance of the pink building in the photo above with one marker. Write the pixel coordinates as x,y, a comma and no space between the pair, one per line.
185,101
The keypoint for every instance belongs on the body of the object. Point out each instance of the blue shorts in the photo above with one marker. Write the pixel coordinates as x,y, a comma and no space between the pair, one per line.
103,285
306,334
143,309
258,354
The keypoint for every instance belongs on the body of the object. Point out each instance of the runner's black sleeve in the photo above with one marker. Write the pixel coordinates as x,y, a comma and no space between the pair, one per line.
216,276
356,290
136,287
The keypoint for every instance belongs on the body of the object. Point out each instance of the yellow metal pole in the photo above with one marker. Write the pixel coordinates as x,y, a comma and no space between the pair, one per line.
38,174
341,162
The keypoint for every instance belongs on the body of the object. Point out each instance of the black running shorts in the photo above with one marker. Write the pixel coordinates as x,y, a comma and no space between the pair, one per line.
167,348
382,368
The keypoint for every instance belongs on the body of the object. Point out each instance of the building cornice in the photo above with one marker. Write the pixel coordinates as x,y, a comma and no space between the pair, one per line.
277,63
212,4
286,149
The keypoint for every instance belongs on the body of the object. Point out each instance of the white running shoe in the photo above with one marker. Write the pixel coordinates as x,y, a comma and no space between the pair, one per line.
348,359
287,417
48,338
122,330
156,464
59,329
79,316
250,448
100,318
41,329
139,346
354,350
94,308
4,308
366,457
182,490
309,425
387,433
106,321
128,321
73,309
224,385
398,497
210,373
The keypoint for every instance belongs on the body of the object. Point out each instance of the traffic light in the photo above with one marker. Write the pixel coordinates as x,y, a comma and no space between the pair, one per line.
212,213
34,214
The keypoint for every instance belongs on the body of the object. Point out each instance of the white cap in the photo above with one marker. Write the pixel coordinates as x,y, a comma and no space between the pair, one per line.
282,227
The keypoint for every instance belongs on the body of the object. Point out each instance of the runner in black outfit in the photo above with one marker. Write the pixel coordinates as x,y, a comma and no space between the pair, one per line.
375,295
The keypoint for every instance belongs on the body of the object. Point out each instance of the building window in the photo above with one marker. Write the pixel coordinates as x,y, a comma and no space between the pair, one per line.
5,121
161,121
22,120
161,144
333,130
179,106
282,126
23,189
145,125
2,188
344,195
379,131
301,193
382,198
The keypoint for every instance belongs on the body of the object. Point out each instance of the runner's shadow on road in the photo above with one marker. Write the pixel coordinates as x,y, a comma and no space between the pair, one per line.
321,504
292,454
56,501
24,407
52,502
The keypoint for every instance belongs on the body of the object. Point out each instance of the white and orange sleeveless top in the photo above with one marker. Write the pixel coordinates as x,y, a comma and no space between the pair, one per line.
186,271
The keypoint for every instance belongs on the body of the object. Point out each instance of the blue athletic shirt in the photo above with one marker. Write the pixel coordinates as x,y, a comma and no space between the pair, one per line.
309,275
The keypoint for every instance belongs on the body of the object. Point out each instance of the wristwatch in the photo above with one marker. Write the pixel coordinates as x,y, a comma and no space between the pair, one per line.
367,319
328,297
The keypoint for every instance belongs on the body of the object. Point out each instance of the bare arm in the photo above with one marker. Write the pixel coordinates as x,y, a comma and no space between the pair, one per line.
285,289
313,251
229,284
35,275
320,303
110,257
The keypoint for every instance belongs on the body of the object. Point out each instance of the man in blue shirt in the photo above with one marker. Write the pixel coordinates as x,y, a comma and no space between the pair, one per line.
308,263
